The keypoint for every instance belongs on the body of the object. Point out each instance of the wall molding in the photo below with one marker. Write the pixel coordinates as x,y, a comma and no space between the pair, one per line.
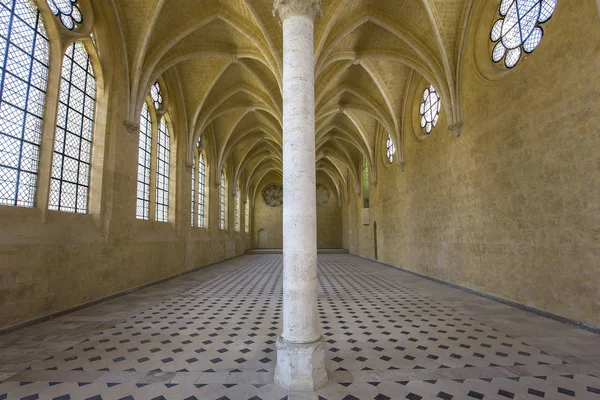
533,310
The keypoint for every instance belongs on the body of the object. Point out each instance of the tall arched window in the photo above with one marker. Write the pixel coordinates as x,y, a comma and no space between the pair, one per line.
24,51
237,208
144,157
193,191
365,184
247,216
154,159
201,191
162,171
69,188
223,200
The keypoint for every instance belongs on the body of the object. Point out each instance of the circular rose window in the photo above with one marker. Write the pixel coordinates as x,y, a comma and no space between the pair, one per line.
430,109
518,29
323,195
273,195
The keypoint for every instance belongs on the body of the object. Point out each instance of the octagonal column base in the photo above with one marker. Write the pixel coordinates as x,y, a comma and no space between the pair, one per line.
300,366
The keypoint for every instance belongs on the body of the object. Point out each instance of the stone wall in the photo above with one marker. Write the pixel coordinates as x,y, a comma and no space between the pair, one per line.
329,223
512,207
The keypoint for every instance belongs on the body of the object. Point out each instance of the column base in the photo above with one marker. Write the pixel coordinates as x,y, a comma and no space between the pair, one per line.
300,366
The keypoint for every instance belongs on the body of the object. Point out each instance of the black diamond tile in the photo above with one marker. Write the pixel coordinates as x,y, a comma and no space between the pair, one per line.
382,397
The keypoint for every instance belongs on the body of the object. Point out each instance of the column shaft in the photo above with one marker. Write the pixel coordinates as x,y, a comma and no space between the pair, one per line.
300,348
300,288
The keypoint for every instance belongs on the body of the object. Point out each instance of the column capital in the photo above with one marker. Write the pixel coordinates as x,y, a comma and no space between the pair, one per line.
287,8
456,129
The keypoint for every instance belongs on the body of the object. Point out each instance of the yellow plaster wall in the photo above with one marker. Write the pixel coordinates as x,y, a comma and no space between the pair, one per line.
329,223
512,207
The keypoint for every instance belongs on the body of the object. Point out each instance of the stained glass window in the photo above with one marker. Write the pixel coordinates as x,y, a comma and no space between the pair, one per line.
390,149
201,190
430,109
162,172
237,209
518,28
68,11
156,95
69,187
24,55
247,216
193,191
365,184
144,157
223,200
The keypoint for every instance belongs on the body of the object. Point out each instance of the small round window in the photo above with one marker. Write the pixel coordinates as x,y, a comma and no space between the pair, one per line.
68,11
518,29
430,109
156,95
390,149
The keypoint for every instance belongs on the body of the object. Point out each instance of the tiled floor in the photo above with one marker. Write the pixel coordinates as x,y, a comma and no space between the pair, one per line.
211,335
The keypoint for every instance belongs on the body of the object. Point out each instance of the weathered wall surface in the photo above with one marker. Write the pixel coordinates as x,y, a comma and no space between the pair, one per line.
269,219
512,207
329,223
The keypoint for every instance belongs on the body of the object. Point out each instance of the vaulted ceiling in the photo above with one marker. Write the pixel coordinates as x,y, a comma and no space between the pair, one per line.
227,55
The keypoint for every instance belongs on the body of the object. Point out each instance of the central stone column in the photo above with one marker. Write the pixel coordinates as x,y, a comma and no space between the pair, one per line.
300,348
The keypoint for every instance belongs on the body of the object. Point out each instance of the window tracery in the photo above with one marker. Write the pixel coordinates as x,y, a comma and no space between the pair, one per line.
156,95
247,216
201,191
69,186
223,199
518,29
162,171
390,149
144,157
193,192
24,45
68,11
430,109
237,209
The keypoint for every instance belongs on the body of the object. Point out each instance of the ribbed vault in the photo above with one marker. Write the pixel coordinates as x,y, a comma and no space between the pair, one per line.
227,57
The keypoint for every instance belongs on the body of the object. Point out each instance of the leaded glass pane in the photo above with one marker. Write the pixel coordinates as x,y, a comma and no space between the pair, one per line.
237,209
430,109
193,191
518,28
162,172
156,95
390,149
74,129
144,157
68,11
23,78
201,191
247,216
223,200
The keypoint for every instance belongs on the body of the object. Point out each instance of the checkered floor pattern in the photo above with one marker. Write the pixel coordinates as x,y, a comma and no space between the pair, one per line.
217,341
